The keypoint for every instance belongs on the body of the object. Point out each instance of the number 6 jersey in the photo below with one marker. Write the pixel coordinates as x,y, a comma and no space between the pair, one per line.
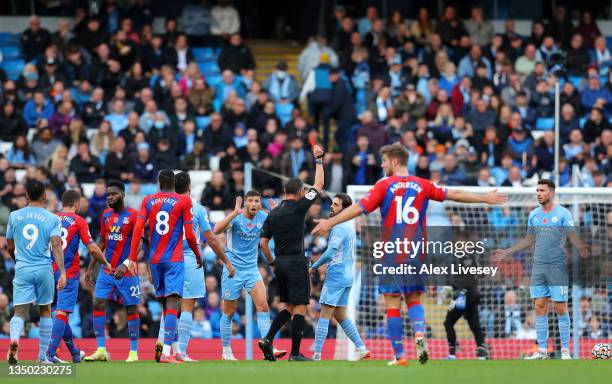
167,213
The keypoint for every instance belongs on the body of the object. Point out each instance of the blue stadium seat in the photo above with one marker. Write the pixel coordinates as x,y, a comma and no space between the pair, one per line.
6,38
609,41
203,53
202,122
209,67
575,80
283,111
13,68
10,52
582,121
545,123
213,80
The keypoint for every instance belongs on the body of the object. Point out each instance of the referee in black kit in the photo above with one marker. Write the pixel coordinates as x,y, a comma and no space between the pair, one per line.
285,224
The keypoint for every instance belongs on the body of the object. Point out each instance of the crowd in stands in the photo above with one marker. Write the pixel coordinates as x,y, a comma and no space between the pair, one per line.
104,97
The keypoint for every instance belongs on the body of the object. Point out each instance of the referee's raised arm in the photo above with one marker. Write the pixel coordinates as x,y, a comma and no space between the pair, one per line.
319,179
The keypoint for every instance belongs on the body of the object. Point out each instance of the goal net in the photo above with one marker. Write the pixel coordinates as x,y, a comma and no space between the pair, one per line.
506,310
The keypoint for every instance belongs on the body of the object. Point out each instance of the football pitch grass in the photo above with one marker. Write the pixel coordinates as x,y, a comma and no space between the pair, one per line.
340,372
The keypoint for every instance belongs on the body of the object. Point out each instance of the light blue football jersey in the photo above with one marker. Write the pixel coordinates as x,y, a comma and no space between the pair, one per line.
340,268
242,239
32,228
550,230
200,224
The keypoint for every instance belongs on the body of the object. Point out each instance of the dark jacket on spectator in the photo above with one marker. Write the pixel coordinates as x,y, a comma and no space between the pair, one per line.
376,134
236,58
115,165
34,43
82,171
225,200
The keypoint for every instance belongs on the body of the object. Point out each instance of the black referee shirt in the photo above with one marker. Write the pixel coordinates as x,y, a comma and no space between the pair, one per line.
285,224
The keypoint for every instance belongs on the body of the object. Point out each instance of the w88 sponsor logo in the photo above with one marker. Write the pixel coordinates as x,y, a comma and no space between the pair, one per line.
115,237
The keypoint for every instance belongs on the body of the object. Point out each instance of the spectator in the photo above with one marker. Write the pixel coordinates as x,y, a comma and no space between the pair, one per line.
216,137
452,173
103,141
382,106
376,35
528,114
117,164
181,56
311,56
544,158
450,27
410,102
144,168
343,35
85,166
235,56
201,97
481,118
480,31
37,108
295,159
117,118
595,125
525,64
364,25
34,40
601,54
61,118
577,56
281,86
216,195
588,29
228,85
596,96
341,109
375,132
225,20
422,27
317,90
165,154
20,156
76,69
11,122
362,163
91,37
152,116
520,144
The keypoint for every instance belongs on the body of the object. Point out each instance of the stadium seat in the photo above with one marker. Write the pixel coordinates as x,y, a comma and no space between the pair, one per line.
199,179
609,41
10,52
545,123
6,38
5,146
582,121
575,80
203,53
283,111
88,189
13,68
209,67
202,122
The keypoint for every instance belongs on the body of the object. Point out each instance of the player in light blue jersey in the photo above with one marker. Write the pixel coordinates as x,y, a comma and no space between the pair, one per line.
547,227
242,230
32,234
338,281
193,285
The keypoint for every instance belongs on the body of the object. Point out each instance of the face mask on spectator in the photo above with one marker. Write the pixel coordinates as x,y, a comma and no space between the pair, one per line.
159,124
281,74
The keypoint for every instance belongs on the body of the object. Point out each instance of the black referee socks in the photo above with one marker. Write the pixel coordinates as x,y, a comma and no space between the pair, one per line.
297,330
281,319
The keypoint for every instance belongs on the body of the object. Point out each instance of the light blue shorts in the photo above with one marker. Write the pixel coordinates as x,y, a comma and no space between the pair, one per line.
193,287
556,293
232,287
335,296
34,284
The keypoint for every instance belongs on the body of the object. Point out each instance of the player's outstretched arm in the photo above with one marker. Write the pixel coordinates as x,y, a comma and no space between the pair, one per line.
222,225
319,180
347,214
524,243
213,242
58,254
491,198
324,258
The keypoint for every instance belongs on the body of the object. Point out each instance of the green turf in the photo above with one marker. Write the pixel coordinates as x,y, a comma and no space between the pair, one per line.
339,372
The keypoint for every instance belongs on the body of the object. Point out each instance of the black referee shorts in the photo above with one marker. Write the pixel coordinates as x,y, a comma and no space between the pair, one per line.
293,280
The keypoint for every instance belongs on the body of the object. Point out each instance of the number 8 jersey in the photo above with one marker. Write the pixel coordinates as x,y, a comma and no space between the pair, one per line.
167,213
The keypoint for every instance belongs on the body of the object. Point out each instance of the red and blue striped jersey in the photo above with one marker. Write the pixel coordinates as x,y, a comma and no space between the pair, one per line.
403,204
167,213
116,230
74,230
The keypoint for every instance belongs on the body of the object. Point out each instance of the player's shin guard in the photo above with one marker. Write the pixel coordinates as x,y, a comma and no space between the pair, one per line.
16,327
416,312
133,330
99,323
162,332
321,333
297,330
542,332
57,333
184,331
564,330
263,323
395,330
225,327
45,326
352,333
